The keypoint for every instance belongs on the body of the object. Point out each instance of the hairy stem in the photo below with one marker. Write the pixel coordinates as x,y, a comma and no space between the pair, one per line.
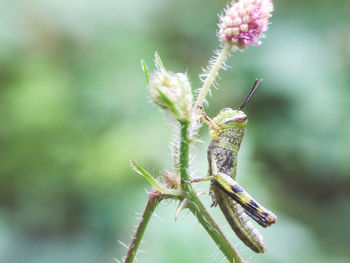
196,206
184,151
213,72
154,199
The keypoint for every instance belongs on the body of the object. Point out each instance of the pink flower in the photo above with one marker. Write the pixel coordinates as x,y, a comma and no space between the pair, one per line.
244,22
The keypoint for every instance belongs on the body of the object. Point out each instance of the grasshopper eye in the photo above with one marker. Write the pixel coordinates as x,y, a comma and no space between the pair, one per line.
240,118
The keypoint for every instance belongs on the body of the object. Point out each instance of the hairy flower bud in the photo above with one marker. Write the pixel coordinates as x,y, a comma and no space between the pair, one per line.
244,22
172,92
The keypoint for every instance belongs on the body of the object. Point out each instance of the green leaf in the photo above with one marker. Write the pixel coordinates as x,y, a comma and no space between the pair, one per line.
145,69
158,61
170,105
158,186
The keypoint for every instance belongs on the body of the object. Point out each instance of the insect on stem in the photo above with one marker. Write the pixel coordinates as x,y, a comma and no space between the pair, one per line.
235,203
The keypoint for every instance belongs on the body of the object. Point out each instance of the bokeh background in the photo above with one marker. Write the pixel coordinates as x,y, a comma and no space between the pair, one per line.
74,110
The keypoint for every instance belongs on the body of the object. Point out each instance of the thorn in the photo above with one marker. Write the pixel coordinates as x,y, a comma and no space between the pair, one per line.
122,244
182,206
200,193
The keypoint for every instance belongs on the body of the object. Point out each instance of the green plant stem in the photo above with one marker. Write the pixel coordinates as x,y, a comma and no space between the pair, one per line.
154,199
213,72
184,151
196,206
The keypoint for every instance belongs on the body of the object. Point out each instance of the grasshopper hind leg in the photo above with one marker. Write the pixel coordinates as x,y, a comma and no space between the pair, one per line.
238,220
251,207
212,194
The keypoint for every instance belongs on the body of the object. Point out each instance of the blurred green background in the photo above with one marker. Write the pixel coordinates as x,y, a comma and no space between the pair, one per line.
74,110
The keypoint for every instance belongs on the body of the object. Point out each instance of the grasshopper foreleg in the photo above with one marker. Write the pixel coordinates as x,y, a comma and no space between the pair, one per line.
206,119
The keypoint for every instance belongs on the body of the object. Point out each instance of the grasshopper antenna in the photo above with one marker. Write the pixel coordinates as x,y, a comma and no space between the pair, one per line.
251,93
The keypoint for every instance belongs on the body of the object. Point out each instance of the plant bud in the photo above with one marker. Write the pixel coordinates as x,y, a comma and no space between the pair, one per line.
172,92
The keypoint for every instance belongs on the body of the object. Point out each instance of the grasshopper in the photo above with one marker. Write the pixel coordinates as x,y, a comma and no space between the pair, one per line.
227,131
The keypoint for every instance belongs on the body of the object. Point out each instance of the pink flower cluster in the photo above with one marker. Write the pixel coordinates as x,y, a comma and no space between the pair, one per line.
244,22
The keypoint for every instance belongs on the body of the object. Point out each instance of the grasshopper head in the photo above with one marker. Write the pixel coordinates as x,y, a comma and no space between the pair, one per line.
232,119
229,118
237,119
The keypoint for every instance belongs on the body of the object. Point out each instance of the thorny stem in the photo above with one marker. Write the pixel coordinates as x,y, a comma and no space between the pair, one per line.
212,74
196,206
154,199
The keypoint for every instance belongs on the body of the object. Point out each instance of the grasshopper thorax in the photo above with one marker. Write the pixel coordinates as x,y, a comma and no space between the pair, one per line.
228,119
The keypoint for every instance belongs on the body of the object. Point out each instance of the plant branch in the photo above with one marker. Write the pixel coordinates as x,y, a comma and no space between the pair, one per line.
154,199
212,74
158,186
